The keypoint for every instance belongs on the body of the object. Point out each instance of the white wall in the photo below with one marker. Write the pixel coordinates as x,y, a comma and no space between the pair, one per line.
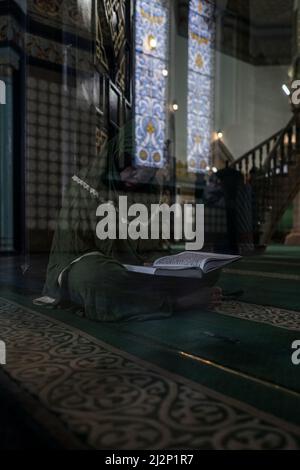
272,107
250,105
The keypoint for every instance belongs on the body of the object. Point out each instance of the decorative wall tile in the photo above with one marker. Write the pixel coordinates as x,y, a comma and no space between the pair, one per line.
54,52
10,30
75,16
57,146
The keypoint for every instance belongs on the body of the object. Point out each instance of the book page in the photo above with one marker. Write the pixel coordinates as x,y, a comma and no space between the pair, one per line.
191,259
186,259
218,263
175,273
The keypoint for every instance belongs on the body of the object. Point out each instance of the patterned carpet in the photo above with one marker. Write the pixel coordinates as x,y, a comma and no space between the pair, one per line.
279,317
105,398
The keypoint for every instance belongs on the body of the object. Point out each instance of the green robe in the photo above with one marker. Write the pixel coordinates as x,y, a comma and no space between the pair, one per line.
99,284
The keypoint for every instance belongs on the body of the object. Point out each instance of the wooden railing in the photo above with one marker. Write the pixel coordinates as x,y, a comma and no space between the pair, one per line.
272,168
268,154
283,153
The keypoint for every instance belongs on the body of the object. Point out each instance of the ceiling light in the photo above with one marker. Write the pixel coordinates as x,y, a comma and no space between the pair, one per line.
286,89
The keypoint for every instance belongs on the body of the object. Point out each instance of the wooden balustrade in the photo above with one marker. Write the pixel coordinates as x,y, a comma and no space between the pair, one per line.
273,155
264,164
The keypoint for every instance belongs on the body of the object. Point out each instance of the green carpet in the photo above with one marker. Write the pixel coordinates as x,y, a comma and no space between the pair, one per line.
175,383
246,361
283,251
270,279
102,397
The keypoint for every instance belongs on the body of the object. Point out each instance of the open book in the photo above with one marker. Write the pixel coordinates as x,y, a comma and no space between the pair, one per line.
186,264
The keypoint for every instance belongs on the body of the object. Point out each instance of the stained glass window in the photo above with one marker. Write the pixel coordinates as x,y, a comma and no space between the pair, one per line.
200,83
151,81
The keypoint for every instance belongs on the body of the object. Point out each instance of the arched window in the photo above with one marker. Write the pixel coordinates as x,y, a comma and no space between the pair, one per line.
200,83
151,80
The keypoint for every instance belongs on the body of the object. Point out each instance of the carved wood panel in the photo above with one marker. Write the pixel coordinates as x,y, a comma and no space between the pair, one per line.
113,62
